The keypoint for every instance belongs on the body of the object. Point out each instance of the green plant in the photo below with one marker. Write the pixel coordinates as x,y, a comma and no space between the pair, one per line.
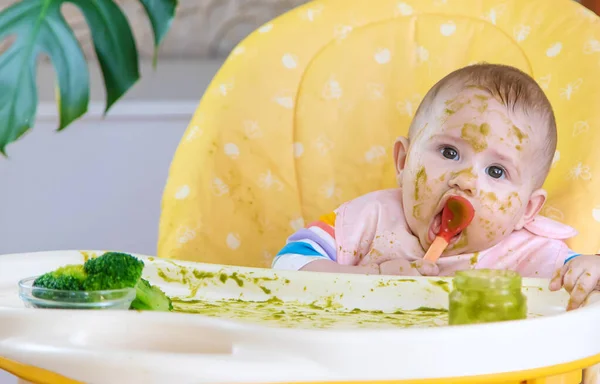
39,28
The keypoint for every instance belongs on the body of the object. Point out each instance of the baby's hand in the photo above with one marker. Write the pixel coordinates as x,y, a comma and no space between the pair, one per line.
580,277
404,267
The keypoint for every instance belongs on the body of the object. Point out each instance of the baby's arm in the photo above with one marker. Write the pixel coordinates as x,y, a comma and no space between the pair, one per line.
314,249
303,255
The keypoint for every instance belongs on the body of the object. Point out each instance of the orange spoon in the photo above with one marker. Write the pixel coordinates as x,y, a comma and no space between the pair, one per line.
456,216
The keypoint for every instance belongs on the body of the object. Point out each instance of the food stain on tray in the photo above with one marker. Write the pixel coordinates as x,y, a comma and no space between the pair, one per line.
195,279
328,311
293,314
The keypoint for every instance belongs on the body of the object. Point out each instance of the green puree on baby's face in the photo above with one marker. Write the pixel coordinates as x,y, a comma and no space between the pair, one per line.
294,314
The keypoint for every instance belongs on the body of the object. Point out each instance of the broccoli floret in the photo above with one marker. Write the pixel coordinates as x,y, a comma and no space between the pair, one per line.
67,278
150,298
112,270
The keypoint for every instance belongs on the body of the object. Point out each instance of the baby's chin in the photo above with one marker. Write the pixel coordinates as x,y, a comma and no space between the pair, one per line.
460,245
457,251
467,248
457,245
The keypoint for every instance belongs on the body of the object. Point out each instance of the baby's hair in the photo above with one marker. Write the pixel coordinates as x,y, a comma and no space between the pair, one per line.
509,85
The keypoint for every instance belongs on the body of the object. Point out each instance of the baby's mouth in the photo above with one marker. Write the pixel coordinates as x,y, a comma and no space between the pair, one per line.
434,228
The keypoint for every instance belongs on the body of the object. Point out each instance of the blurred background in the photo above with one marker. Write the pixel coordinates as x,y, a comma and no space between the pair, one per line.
98,184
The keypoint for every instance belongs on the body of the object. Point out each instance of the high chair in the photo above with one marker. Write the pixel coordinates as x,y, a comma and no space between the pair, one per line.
303,114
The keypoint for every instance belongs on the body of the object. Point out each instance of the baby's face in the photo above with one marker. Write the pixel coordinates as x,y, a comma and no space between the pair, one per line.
473,147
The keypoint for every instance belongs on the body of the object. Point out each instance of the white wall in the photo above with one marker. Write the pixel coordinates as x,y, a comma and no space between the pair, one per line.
98,184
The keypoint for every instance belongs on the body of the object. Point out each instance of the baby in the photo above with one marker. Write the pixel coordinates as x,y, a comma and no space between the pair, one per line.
484,132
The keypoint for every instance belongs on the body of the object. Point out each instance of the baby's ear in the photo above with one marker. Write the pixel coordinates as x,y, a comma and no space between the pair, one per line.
400,151
533,207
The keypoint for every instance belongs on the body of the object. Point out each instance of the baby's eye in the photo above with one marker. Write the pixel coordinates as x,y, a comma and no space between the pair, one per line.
449,153
495,172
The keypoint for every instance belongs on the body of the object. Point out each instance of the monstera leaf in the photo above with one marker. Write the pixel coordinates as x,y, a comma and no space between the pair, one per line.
39,28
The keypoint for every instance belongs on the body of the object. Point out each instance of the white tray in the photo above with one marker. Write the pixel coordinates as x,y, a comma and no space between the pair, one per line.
151,347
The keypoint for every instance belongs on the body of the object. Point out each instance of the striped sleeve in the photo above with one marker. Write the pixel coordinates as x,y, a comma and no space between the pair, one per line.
315,242
571,255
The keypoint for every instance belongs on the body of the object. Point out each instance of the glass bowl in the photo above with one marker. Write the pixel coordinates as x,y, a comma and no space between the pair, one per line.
35,297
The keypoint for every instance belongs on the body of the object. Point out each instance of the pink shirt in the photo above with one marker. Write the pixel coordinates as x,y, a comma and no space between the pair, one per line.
372,229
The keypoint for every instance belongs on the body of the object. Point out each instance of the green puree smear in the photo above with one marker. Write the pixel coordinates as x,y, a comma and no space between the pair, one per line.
327,312
294,314
195,279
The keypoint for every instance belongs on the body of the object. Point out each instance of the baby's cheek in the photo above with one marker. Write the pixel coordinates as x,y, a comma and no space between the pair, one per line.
425,186
487,228
511,205
419,187
498,214
489,201
504,206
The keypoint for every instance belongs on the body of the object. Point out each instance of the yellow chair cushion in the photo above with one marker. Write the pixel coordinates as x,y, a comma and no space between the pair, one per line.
303,115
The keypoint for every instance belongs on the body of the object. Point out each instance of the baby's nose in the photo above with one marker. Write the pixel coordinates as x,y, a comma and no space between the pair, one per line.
465,183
